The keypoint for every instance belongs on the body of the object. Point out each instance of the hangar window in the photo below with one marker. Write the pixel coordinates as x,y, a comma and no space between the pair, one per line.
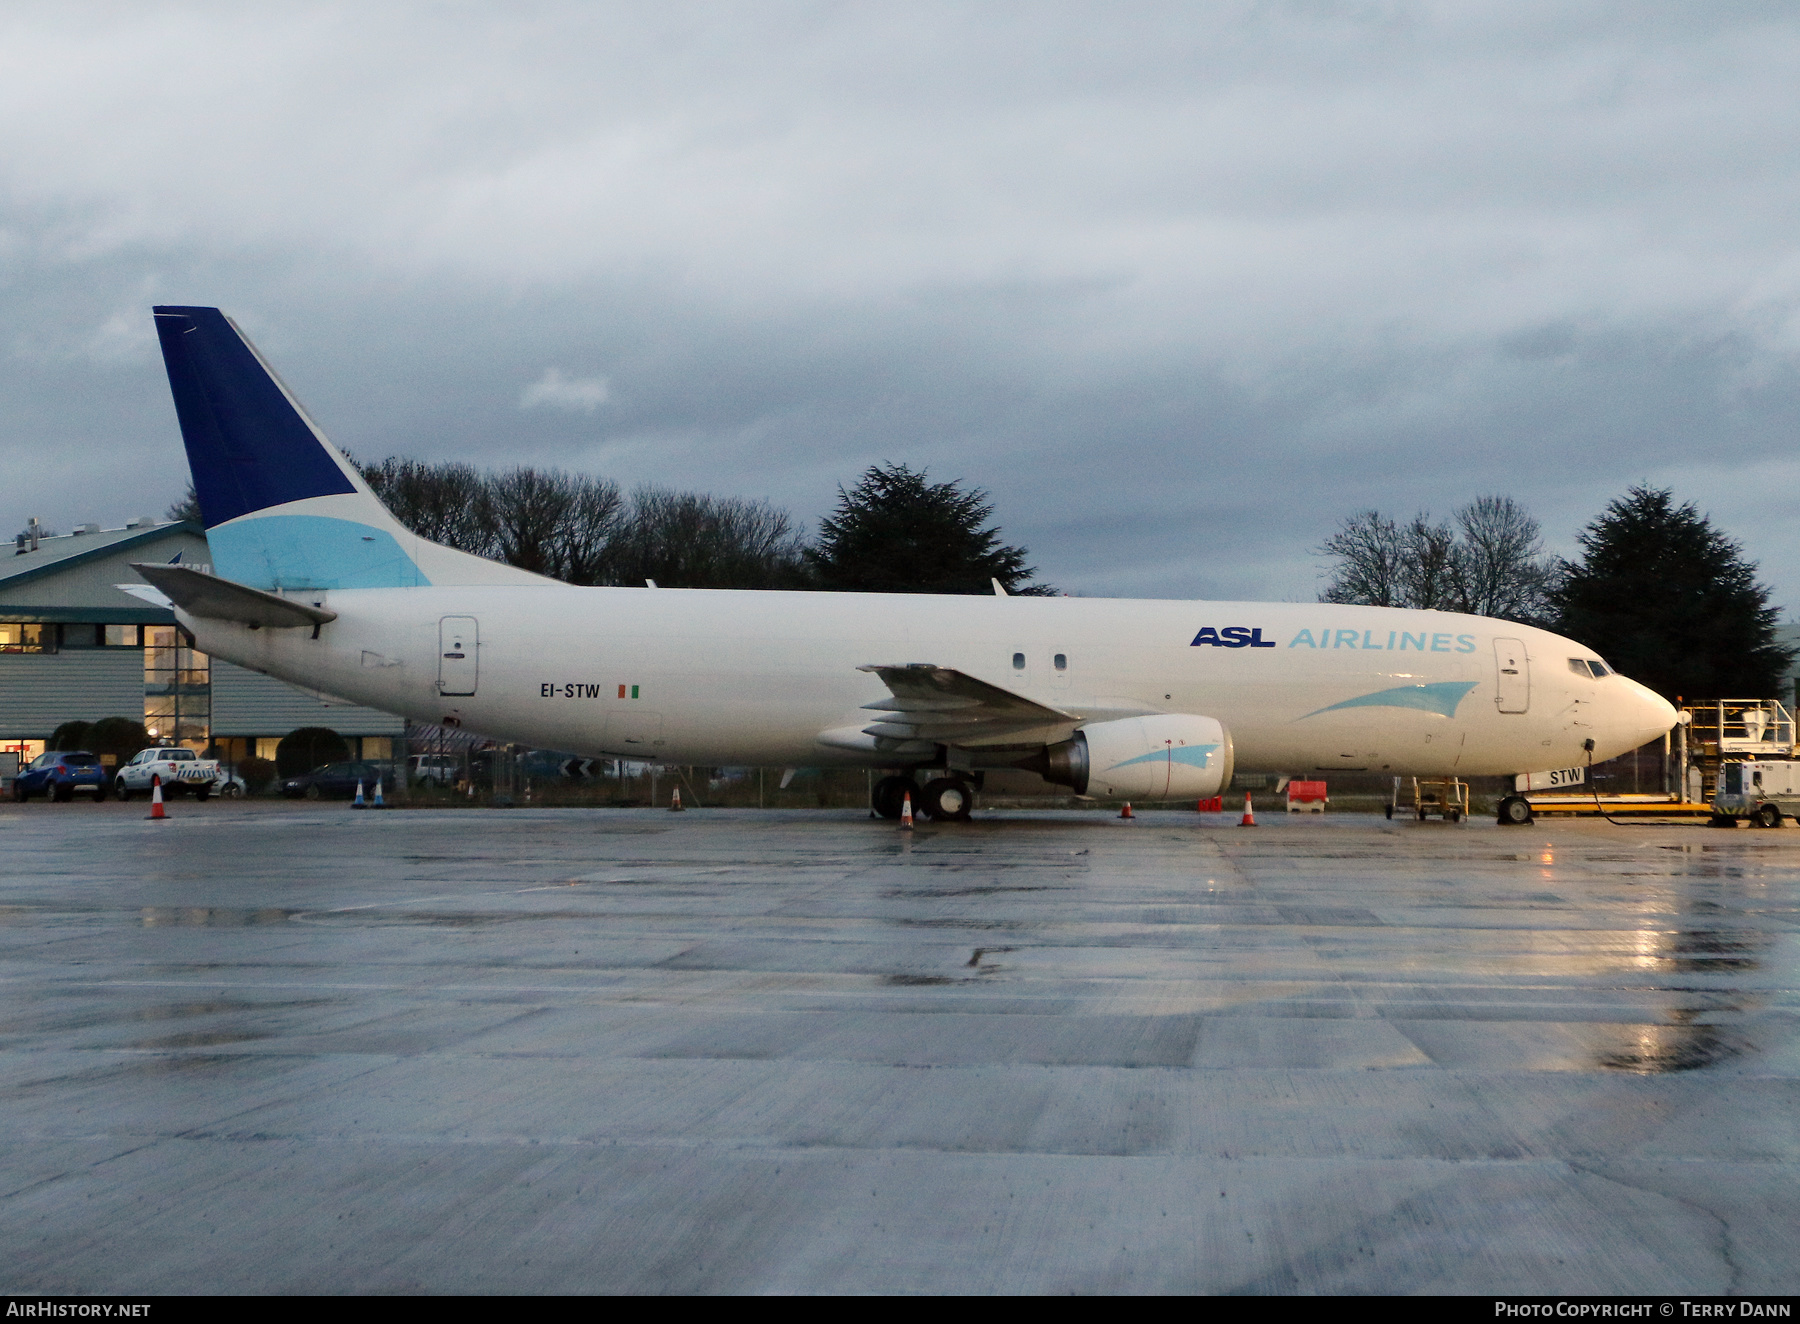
1018,661
26,637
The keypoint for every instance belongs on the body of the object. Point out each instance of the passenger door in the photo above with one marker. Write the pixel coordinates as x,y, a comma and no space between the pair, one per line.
459,645
1512,691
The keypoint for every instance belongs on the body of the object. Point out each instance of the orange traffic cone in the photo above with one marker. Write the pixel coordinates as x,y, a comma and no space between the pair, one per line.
1249,818
1126,811
156,803
906,811
675,802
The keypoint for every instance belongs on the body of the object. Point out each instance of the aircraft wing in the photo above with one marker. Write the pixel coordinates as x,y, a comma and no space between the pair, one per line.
200,594
944,704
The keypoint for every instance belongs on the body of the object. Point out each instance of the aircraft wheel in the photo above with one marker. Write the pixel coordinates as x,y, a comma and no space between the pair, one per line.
1515,811
1768,816
888,794
947,800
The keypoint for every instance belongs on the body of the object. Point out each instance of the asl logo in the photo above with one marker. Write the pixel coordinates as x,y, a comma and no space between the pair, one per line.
1232,636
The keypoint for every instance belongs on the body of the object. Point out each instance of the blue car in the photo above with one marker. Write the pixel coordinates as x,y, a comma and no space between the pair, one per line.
59,774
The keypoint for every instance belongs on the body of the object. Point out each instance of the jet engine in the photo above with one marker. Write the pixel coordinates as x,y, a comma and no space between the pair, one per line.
1171,756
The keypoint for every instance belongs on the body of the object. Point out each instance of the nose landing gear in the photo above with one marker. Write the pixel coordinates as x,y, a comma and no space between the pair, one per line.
1515,811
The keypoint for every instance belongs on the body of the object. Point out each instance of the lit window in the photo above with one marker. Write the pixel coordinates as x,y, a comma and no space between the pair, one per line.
1061,661
119,636
18,637
1018,661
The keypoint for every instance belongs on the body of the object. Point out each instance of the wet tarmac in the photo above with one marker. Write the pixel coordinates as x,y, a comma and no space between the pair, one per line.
300,1049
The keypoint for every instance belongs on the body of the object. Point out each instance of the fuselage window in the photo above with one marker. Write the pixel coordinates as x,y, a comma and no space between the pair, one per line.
1060,661
1579,667
1018,661
1589,667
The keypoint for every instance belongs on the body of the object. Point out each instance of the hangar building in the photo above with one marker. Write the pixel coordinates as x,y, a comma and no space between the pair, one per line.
74,647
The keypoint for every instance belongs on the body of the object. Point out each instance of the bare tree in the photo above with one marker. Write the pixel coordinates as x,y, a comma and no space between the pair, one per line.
1501,567
1491,563
1370,557
1429,557
578,528
552,523
690,540
440,502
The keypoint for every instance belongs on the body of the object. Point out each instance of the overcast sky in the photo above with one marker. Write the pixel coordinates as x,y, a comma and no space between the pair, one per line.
1180,285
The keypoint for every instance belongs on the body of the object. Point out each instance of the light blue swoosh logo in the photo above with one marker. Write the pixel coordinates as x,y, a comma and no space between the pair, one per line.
1195,756
1441,698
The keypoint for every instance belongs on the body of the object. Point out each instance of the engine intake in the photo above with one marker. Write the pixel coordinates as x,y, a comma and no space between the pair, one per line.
1172,756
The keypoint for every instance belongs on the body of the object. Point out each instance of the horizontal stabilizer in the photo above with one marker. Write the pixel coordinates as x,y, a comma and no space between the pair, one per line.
201,594
944,704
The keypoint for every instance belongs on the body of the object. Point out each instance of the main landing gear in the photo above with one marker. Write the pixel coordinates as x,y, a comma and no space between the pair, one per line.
942,799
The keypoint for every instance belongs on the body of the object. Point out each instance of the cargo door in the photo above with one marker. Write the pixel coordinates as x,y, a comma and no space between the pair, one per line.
1513,689
459,647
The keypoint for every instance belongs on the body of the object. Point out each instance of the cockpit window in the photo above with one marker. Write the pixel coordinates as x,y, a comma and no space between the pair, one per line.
1589,666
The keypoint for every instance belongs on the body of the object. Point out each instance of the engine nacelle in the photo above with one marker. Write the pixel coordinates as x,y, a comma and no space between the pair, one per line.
1172,756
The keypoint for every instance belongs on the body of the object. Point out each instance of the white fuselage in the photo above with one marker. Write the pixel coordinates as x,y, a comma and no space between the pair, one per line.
729,677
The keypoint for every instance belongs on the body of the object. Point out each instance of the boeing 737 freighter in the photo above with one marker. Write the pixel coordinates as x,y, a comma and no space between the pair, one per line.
315,582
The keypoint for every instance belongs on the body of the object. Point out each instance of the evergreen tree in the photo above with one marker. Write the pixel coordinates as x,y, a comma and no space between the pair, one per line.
1672,602
894,532
188,507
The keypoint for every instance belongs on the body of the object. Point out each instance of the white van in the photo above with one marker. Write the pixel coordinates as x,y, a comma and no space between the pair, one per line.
438,769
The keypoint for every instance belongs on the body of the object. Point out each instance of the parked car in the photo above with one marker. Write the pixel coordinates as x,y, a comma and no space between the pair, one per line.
59,774
333,780
178,769
229,785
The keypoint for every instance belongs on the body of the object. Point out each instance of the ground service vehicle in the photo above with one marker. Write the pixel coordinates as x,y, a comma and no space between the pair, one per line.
179,769
316,583
59,774
1761,791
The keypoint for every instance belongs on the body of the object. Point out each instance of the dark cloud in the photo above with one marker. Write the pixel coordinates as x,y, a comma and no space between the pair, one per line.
1180,285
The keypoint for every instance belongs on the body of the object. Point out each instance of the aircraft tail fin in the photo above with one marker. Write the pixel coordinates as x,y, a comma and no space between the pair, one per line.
283,507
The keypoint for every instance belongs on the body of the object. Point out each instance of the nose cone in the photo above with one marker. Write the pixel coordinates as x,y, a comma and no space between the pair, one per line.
1644,715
